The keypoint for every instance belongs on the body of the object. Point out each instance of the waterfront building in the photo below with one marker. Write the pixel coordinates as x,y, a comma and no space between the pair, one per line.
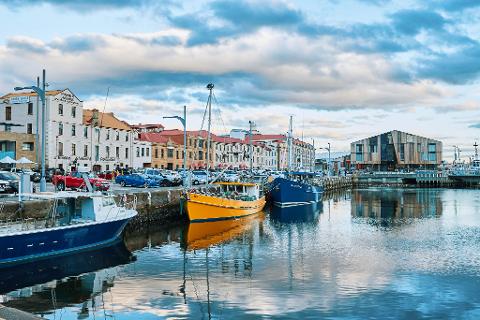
303,153
75,137
395,150
17,145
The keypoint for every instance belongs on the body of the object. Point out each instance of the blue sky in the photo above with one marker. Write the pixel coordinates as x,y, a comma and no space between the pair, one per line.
346,69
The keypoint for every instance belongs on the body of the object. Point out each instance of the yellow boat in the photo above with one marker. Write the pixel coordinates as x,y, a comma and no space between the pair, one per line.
203,235
233,200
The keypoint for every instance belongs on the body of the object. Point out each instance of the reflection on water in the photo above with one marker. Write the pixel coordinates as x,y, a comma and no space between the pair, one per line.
420,260
387,208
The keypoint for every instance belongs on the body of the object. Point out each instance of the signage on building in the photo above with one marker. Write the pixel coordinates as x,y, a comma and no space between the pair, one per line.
19,99
66,97
83,158
107,159
63,157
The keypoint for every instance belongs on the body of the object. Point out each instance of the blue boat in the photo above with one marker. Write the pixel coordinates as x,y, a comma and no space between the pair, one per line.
76,221
295,190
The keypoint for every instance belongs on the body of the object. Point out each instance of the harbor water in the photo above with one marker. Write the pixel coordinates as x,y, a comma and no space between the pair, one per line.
362,254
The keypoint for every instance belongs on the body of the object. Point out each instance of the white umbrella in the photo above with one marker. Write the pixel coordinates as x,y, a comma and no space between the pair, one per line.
8,160
24,160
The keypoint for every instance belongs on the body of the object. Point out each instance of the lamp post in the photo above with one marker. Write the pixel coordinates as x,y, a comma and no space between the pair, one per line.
41,93
184,123
328,163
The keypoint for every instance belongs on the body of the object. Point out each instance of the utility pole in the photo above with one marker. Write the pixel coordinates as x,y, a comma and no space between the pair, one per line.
210,87
37,136
250,146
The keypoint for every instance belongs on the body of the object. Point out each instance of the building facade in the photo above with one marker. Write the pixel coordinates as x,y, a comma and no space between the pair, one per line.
395,150
75,137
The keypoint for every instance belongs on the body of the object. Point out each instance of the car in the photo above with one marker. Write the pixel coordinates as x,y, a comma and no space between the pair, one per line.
157,175
199,177
9,182
136,180
174,178
34,176
230,176
75,181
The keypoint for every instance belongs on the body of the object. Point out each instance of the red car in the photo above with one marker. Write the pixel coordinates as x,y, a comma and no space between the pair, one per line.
75,181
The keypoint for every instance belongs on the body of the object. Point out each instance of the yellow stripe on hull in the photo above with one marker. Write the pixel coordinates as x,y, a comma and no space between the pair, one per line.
208,208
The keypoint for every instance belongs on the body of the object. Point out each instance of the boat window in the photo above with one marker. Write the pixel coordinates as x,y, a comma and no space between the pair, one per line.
108,201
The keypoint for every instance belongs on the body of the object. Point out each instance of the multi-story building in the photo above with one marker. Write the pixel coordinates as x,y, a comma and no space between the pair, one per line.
396,150
74,136
17,145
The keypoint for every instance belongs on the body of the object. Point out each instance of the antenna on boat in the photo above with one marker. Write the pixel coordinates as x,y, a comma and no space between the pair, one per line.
475,145
289,144
210,87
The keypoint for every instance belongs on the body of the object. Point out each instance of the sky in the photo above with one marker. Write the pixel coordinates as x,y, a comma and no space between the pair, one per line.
345,69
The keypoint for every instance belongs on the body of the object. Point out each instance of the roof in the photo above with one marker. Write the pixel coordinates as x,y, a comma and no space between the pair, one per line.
34,94
153,137
105,120
392,131
269,137
147,125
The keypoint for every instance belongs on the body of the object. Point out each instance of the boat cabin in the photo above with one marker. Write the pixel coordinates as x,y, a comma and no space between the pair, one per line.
240,190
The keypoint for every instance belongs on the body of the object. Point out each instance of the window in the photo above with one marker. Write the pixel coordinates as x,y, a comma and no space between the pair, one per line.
27,146
359,152
73,130
126,153
97,153
60,109
419,147
85,150
373,148
190,154
108,135
432,147
126,137
60,128
163,154
60,149
138,152
107,151
117,152
200,143
107,167
148,152
8,128
169,153
177,155
74,149
74,112
402,152
143,152
432,152
29,128
117,136
85,132
200,155
8,113
156,153
30,108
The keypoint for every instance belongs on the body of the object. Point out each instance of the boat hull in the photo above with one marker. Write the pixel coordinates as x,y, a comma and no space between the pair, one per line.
208,208
39,243
288,193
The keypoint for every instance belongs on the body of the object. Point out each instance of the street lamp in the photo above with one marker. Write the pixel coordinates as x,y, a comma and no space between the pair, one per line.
41,94
184,123
328,164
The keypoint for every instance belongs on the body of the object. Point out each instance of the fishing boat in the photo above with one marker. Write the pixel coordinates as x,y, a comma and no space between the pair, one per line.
466,174
295,188
227,200
76,221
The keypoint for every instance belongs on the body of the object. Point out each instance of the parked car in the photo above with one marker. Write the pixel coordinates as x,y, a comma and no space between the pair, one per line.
75,181
34,176
230,176
156,175
136,180
173,177
9,182
199,177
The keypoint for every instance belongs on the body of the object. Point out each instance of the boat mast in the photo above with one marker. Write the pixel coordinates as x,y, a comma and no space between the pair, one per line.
250,147
289,144
210,87
476,150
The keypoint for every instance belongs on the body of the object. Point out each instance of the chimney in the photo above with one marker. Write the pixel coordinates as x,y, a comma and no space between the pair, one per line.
95,117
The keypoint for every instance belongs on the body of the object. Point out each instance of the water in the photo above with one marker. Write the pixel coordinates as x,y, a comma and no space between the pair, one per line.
367,254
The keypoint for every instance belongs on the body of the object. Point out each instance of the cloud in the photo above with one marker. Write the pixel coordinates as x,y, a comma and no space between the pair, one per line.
84,5
455,5
475,126
410,22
